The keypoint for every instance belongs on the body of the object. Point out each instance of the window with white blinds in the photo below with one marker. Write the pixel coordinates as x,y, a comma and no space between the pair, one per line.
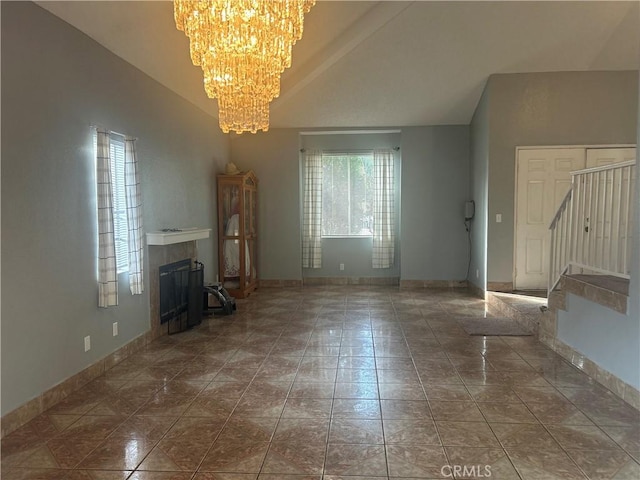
121,231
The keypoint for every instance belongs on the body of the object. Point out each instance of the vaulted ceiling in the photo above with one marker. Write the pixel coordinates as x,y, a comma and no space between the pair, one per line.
387,63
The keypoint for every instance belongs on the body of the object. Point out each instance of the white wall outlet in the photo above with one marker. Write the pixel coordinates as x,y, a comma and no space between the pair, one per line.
342,266
498,218
87,343
477,273
115,329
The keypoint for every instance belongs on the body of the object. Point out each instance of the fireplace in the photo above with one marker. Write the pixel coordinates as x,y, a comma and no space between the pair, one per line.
166,248
181,291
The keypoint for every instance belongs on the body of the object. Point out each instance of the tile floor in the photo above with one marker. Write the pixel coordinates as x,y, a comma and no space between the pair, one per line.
334,383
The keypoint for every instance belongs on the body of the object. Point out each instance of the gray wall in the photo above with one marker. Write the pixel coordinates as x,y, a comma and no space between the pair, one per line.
634,286
435,185
56,82
478,185
567,108
273,156
608,338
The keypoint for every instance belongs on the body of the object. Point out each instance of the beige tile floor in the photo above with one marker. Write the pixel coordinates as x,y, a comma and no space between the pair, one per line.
334,383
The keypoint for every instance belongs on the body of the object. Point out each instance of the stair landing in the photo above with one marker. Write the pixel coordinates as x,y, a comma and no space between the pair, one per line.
539,315
526,309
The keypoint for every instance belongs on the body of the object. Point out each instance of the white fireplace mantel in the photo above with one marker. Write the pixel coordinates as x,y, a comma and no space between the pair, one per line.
180,236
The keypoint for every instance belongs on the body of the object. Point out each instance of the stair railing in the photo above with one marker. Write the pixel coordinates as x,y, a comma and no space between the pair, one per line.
593,225
560,230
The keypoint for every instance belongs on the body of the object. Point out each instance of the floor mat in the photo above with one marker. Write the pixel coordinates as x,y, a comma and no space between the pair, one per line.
492,326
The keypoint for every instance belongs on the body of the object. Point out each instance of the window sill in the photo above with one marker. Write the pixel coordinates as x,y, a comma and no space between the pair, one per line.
348,236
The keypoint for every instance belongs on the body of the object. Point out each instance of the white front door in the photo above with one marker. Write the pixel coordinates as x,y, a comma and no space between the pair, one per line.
543,178
600,225
599,157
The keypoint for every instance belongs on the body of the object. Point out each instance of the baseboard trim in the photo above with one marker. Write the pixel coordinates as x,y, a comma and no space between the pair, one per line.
34,407
433,284
374,281
476,291
273,283
506,287
618,387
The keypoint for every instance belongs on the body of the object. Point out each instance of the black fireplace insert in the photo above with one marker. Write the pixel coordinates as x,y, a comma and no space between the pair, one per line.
181,290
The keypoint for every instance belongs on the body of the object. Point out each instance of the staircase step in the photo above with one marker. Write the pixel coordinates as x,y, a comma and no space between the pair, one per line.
556,300
525,310
611,292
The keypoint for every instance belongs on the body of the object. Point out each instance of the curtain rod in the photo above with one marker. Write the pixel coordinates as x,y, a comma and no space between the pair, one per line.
98,127
351,150
347,132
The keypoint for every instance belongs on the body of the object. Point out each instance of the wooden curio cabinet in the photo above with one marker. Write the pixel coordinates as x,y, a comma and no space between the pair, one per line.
238,233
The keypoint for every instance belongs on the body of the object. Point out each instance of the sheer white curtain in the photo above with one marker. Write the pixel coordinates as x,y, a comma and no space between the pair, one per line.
107,270
383,209
312,210
134,217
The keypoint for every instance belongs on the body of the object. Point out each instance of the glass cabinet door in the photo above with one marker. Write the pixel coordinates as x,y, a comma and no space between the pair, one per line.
237,230
231,208
247,212
254,233
231,231
251,268
254,205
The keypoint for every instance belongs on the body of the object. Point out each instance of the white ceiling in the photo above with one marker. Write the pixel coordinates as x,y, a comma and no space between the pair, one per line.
388,63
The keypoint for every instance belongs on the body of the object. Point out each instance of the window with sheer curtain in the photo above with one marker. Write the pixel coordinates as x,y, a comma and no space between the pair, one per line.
350,194
312,210
384,211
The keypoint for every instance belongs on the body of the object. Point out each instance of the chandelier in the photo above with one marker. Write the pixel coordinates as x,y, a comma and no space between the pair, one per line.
242,47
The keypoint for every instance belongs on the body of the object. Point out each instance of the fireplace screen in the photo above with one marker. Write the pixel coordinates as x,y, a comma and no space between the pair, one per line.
181,290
